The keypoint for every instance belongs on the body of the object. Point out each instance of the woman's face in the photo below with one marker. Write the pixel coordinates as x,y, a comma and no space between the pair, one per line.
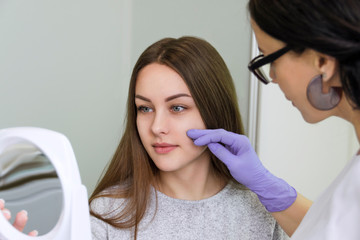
292,72
165,111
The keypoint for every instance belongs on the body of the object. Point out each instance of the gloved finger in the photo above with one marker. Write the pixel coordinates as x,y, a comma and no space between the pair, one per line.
20,220
196,133
205,136
212,134
222,136
221,153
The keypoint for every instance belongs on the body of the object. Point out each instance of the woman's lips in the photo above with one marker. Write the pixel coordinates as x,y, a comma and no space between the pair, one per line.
162,148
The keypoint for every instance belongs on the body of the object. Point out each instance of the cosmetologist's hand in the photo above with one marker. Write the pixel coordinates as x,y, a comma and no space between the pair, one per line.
236,152
20,219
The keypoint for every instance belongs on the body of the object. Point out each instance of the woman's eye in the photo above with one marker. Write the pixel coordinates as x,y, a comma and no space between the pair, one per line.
144,109
177,108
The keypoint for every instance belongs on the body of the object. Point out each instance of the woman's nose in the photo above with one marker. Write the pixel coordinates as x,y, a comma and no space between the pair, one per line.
160,123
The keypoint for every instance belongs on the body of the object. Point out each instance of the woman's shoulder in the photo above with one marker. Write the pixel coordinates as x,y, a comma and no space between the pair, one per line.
237,194
239,190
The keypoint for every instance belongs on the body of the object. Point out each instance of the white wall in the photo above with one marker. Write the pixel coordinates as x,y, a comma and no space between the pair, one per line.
59,69
307,156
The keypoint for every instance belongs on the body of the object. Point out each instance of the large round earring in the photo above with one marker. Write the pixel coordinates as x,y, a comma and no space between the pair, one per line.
320,100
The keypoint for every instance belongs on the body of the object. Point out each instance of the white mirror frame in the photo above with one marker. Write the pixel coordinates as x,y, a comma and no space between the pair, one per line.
74,221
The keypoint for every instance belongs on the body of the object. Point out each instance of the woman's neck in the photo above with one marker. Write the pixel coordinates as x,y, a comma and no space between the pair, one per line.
191,183
347,112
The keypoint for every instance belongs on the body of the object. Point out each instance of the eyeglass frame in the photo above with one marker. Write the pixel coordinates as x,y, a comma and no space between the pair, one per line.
255,63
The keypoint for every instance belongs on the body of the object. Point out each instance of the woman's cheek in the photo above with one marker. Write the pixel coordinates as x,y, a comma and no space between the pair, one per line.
191,125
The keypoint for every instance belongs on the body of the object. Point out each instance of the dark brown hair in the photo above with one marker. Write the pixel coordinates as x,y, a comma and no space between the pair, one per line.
211,86
331,27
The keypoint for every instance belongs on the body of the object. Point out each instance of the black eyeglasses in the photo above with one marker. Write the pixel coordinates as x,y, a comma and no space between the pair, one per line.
260,65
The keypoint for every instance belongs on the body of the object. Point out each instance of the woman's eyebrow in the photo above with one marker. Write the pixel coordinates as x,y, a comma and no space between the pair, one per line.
142,98
176,96
166,99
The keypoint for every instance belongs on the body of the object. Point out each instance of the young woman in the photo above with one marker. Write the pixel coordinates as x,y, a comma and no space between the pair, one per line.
159,185
311,49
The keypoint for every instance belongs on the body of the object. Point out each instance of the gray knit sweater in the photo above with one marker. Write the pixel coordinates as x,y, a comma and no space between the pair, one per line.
232,213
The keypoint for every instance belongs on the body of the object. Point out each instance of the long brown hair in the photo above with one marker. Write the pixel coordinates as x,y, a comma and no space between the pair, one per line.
211,86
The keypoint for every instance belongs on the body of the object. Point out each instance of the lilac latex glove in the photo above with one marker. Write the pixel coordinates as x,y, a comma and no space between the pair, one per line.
244,165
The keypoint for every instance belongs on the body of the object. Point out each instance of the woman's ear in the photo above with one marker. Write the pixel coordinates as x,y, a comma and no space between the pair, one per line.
328,67
322,91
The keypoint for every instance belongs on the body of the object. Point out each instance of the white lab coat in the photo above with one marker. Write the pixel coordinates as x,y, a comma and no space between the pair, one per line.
335,215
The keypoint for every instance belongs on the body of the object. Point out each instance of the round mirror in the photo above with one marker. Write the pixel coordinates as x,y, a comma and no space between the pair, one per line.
29,181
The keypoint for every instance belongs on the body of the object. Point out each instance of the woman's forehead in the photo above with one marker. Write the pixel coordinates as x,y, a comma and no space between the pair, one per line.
156,79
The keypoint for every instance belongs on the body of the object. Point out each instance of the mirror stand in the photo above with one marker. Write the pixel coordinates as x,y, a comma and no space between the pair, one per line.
74,220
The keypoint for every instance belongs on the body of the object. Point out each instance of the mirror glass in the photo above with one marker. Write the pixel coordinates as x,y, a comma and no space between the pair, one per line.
28,181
